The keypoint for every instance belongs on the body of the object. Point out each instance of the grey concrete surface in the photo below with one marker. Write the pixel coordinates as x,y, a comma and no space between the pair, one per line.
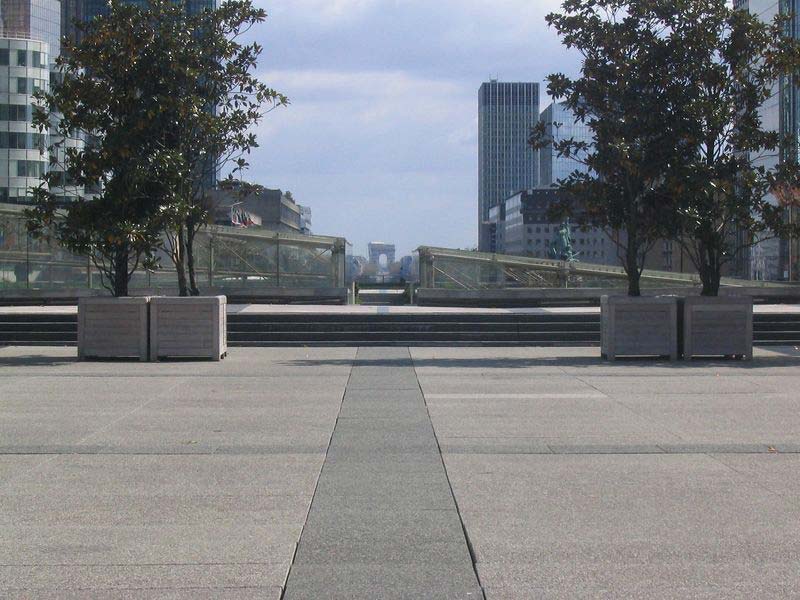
671,481
568,476
175,480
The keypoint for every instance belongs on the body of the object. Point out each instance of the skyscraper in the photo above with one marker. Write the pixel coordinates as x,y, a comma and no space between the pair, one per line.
86,10
560,124
29,41
774,258
506,163
83,11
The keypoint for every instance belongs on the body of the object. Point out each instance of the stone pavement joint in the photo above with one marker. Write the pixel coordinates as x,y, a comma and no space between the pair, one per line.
383,522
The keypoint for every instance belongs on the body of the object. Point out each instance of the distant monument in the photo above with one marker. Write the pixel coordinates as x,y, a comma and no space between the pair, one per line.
378,249
561,246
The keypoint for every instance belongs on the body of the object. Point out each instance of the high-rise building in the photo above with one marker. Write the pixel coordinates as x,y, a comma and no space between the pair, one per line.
86,10
83,11
506,163
560,124
29,41
774,258
38,20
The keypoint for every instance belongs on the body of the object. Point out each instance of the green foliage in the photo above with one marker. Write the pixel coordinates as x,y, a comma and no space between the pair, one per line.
165,98
103,92
626,94
209,101
672,91
730,63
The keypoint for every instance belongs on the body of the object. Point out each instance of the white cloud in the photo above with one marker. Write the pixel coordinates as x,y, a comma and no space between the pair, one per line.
380,138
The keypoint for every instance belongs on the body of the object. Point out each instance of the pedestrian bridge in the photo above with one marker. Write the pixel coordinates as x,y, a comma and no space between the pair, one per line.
445,268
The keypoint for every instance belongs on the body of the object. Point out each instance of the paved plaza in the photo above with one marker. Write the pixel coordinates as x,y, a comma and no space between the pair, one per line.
464,473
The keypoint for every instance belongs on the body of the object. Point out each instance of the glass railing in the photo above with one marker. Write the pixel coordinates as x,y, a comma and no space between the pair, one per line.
226,258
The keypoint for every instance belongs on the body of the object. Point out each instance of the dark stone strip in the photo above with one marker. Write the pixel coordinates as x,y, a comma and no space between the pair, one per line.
383,522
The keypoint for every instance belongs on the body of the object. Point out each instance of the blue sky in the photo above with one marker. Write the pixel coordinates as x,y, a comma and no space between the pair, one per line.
381,136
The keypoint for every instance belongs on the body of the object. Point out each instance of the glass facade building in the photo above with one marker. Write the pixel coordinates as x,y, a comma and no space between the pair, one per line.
86,10
23,148
560,124
32,20
506,163
776,259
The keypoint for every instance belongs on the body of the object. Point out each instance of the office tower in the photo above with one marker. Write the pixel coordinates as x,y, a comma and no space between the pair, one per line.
774,258
506,163
38,20
560,124
29,41
89,9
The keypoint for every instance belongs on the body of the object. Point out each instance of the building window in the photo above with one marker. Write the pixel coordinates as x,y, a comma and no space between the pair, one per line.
15,112
22,85
30,168
22,58
4,63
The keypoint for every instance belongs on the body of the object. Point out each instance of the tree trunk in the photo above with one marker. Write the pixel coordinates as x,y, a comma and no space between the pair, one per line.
180,267
632,267
120,274
711,267
711,275
190,234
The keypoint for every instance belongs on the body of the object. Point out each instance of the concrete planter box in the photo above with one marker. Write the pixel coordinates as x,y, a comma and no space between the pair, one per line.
191,327
112,328
645,326
718,326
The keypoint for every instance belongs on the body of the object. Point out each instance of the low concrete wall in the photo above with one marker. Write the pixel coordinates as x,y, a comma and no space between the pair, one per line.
526,297
235,296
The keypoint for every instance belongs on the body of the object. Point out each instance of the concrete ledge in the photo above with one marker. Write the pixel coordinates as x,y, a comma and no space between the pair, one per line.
113,328
193,327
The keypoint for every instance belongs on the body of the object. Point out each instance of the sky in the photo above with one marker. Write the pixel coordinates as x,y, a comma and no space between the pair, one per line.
380,138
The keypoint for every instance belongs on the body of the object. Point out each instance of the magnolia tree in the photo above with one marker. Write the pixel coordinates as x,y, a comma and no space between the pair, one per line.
729,64
672,91
210,100
106,92
165,99
626,94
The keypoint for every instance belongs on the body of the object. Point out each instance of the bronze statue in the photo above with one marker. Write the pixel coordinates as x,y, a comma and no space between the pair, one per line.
561,246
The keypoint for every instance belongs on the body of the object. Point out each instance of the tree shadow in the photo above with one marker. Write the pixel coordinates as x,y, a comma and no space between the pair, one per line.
37,360
760,362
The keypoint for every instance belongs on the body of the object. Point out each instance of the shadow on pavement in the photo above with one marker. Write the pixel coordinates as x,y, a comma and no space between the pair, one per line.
759,362
36,360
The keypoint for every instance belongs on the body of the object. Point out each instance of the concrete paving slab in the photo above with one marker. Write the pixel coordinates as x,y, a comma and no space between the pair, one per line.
388,582
186,593
623,525
154,481
397,526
